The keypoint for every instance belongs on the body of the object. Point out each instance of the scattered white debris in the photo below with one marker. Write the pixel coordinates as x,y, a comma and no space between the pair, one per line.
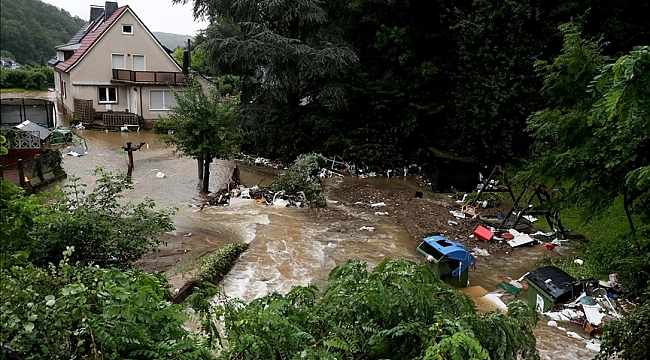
593,345
458,214
564,315
451,222
519,238
160,175
496,300
578,261
480,252
530,218
516,284
548,234
552,323
571,334
369,228
358,203
378,204
379,213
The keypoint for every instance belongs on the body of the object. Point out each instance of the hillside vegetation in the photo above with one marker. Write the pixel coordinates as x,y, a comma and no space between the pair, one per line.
30,29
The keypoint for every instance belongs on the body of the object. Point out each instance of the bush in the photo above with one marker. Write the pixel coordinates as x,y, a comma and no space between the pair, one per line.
73,312
47,71
302,176
164,125
18,78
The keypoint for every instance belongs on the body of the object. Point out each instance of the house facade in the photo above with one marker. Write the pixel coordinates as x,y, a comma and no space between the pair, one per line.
115,65
9,63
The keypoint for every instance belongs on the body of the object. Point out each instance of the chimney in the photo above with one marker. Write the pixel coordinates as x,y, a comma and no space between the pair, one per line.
187,58
109,9
95,12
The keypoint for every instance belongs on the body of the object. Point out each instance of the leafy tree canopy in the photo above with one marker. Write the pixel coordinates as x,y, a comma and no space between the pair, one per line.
593,145
288,55
205,125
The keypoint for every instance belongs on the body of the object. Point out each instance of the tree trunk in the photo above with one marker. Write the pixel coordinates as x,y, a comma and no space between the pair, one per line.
206,175
199,161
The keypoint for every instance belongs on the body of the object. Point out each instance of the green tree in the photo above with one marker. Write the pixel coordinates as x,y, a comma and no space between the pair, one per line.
400,311
206,126
593,146
288,55
70,312
103,229
30,29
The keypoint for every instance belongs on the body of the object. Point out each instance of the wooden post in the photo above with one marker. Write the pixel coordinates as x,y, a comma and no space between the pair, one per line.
129,148
21,173
39,167
206,175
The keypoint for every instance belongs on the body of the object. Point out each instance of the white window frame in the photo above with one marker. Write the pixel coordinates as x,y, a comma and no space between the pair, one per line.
144,59
106,89
127,33
113,62
165,93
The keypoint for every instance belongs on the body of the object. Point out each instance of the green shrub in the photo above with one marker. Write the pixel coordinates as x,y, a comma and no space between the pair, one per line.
74,121
163,126
18,78
47,71
302,176
216,265
70,311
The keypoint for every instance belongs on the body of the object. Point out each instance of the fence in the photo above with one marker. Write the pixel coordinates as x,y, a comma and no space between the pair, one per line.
32,173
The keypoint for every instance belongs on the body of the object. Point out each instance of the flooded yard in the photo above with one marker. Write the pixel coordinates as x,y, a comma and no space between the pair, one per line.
287,246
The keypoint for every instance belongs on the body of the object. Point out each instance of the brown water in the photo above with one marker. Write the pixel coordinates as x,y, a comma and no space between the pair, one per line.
287,247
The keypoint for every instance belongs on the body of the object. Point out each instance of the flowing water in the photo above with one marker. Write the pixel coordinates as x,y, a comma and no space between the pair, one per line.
286,246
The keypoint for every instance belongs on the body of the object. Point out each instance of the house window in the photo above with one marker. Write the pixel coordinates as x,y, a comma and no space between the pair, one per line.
118,61
107,95
127,29
161,99
138,63
63,89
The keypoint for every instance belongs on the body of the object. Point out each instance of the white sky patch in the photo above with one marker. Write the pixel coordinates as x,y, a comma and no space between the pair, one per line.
157,15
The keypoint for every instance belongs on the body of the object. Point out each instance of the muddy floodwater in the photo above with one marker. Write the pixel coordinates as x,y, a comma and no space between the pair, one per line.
287,247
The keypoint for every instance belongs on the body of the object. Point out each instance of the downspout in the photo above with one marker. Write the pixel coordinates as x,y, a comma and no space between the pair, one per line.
141,113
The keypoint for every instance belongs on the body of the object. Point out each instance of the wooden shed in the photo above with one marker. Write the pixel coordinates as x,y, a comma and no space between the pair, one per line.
448,170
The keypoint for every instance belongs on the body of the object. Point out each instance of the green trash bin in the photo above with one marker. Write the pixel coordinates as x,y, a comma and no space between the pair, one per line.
447,259
548,286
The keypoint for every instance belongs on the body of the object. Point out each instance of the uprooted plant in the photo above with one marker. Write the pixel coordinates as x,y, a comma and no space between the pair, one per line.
302,177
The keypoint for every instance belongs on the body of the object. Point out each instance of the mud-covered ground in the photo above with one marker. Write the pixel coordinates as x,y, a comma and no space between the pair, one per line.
421,217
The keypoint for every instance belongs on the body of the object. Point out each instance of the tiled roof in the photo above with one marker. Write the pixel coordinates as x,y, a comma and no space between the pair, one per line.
90,39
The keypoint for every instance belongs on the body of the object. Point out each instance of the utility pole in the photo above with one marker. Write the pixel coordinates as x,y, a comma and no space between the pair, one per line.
129,148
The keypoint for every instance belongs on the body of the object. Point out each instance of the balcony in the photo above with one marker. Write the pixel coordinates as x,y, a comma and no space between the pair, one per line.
149,77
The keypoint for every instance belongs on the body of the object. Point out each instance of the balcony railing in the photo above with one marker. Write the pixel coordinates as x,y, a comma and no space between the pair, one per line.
149,77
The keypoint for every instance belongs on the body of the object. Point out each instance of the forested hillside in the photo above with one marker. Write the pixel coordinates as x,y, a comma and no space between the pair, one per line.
31,29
